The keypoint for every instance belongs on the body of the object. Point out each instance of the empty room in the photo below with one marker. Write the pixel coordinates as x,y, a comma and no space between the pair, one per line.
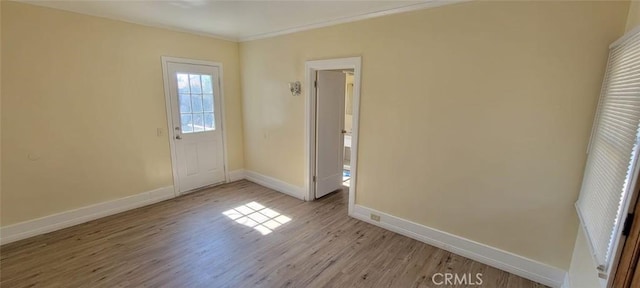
432,143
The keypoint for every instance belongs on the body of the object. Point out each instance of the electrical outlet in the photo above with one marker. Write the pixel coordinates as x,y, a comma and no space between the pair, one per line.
375,217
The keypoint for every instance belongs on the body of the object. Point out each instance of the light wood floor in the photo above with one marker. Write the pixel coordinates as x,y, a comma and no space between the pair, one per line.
190,242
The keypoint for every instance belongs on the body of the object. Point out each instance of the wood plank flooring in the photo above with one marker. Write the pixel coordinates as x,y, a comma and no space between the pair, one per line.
199,240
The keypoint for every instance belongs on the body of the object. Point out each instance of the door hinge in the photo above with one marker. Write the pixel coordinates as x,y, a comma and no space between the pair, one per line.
628,222
314,178
315,84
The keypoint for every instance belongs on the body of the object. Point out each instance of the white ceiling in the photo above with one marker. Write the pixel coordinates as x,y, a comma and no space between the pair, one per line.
238,20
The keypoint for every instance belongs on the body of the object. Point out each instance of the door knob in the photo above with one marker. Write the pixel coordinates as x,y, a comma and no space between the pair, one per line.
344,131
178,137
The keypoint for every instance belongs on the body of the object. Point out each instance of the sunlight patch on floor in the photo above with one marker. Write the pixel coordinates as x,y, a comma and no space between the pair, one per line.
257,216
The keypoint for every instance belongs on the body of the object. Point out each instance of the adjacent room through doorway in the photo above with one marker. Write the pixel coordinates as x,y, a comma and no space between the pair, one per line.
348,127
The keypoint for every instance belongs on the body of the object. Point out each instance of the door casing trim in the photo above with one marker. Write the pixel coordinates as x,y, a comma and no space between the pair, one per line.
310,69
171,133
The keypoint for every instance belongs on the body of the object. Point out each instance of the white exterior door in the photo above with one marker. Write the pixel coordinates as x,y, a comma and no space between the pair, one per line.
196,112
330,93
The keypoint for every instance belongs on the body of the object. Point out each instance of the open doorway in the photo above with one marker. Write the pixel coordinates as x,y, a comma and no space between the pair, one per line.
348,128
332,104
332,138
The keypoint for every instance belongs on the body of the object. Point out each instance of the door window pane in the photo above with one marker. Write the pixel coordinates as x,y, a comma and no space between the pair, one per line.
209,122
198,122
207,102
187,123
206,84
185,103
183,83
195,83
196,103
196,109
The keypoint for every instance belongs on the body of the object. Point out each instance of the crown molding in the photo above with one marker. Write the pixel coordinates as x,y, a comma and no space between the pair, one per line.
141,23
420,6
424,5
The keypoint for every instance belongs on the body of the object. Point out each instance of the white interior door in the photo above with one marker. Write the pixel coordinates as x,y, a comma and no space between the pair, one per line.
196,113
330,96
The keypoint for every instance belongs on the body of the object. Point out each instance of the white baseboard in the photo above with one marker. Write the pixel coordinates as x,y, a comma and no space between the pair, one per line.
503,260
69,218
275,184
236,175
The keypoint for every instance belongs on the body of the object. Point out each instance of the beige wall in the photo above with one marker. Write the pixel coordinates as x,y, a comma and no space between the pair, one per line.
633,18
474,117
0,105
81,101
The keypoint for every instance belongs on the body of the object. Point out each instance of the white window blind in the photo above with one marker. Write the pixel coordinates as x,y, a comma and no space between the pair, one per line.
613,150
